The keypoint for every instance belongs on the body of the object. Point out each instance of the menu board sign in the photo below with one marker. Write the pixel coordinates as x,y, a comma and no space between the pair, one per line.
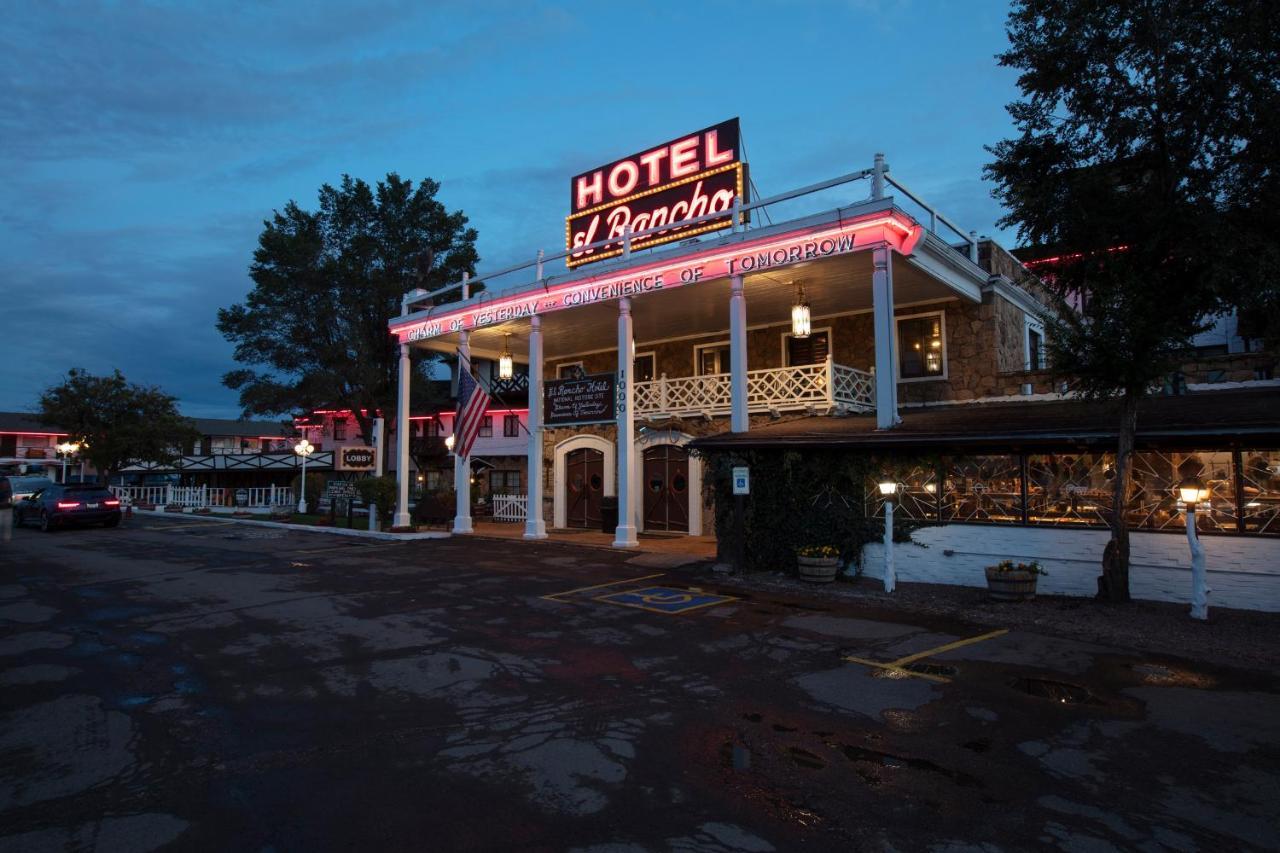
578,401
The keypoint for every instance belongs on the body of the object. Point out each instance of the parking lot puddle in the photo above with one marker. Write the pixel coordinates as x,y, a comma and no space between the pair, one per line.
1060,692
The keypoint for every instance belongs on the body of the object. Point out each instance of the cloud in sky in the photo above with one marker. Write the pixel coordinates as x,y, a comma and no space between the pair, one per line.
144,143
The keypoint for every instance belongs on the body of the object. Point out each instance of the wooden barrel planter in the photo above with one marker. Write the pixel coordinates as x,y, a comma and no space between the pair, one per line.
818,569
1011,586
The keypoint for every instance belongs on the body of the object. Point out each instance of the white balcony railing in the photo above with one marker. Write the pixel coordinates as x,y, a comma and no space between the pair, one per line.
826,385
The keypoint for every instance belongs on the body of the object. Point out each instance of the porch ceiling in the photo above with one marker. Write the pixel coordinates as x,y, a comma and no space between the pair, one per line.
832,286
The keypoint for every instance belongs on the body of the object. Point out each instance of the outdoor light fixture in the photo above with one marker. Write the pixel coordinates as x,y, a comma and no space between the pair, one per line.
66,449
801,323
448,443
505,367
1192,490
304,449
888,488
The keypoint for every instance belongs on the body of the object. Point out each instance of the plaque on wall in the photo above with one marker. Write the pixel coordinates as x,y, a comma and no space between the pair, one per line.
588,400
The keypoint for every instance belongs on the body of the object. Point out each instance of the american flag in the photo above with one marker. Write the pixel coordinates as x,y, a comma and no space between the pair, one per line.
473,401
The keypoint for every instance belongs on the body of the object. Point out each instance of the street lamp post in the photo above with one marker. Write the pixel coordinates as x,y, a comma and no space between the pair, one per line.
1192,491
304,449
66,449
888,490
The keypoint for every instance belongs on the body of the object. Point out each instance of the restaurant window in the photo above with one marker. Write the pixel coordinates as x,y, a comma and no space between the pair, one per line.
810,350
1153,499
645,366
710,359
339,429
922,348
511,426
486,427
982,488
1260,490
1070,489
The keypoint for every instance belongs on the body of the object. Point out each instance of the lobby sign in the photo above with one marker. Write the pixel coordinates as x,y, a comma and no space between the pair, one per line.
356,458
751,256
578,401
690,176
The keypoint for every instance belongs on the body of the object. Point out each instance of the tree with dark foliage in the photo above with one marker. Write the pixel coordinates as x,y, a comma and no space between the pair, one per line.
116,422
325,285
1149,134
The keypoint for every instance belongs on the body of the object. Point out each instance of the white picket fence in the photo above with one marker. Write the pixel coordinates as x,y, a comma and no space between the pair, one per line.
200,497
510,507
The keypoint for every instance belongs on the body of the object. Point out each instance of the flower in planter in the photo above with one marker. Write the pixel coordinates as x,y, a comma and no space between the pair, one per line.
818,551
1033,567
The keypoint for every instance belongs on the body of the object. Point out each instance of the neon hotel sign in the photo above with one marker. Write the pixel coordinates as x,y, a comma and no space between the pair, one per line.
682,179
804,244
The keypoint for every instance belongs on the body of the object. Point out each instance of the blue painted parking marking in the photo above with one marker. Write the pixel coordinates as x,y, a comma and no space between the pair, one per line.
662,599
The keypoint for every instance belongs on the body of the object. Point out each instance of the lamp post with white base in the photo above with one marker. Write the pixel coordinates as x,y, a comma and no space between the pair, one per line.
67,448
888,490
304,449
1192,490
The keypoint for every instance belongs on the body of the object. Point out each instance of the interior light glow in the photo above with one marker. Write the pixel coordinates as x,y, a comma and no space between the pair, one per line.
801,320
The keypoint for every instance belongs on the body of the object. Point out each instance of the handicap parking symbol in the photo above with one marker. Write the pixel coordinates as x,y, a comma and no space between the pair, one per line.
661,599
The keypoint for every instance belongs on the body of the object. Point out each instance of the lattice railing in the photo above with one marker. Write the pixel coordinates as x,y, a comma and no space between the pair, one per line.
806,386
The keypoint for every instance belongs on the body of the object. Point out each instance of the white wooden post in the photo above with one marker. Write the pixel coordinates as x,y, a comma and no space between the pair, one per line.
204,495
168,494
662,393
1199,582
882,309
379,437
535,527
272,504
738,419
402,442
890,574
461,466
831,380
625,420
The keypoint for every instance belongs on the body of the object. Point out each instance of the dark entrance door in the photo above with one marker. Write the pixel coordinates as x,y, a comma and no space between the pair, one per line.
584,486
666,488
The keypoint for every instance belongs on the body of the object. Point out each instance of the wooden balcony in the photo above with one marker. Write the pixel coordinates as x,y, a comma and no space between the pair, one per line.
825,387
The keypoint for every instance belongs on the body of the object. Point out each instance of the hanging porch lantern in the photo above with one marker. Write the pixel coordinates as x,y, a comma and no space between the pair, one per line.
800,318
505,367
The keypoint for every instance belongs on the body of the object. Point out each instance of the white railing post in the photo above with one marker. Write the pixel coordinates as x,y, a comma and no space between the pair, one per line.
273,495
831,381
662,393
168,494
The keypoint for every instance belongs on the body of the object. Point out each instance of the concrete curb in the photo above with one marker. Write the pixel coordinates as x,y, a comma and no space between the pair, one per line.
308,528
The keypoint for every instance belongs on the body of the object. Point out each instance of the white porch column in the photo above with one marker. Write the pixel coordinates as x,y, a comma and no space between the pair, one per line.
402,443
738,419
461,466
882,309
535,526
626,535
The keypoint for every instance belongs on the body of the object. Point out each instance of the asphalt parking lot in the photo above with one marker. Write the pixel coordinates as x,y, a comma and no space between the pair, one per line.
192,685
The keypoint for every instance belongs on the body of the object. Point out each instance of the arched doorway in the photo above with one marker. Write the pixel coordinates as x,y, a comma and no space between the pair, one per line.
584,486
666,488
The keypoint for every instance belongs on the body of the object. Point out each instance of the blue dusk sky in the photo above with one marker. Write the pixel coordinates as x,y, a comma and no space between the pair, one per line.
143,144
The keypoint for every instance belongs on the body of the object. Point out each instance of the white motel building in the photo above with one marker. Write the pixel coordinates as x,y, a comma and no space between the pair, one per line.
683,316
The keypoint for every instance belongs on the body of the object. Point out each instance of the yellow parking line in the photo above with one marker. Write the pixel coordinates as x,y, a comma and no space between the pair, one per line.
900,664
556,595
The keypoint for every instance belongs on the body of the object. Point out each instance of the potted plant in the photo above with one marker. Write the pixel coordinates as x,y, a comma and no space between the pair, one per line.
818,563
1010,581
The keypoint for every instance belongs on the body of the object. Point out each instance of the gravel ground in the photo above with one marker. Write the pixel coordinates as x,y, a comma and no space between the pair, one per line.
1232,638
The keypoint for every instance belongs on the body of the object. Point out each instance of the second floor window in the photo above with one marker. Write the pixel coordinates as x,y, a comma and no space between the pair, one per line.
922,351
712,359
486,427
644,368
511,426
340,429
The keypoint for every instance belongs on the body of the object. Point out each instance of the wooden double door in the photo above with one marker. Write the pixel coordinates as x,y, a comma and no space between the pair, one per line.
584,486
666,488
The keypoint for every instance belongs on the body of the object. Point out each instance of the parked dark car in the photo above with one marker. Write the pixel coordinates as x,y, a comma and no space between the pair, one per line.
57,505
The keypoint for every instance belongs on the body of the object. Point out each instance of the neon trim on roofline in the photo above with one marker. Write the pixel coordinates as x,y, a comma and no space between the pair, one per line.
894,228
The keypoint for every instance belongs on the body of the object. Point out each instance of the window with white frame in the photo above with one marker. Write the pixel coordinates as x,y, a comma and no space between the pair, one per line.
486,427
710,359
922,346
1035,355
511,426
813,349
645,369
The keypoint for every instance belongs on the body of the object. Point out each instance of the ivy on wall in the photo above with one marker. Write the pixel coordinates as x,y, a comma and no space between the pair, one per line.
800,498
